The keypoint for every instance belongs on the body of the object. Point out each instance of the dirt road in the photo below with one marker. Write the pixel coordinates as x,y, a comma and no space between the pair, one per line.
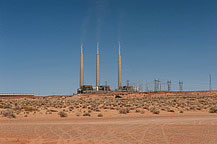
181,129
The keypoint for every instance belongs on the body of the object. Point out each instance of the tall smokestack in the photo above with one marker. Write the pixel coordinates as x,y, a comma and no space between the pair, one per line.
119,68
81,67
97,67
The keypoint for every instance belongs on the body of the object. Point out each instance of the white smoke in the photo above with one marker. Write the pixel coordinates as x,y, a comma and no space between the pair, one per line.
101,10
100,7
120,23
85,24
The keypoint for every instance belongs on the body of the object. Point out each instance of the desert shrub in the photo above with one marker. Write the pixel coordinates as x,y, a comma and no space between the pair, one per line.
17,108
86,114
170,110
192,107
89,111
124,110
205,107
100,115
78,114
84,106
137,110
118,97
7,106
163,109
106,107
8,113
97,110
151,108
142,112
187,109
18,112
71,108
181,111
213,110
154,110
29,108
62,114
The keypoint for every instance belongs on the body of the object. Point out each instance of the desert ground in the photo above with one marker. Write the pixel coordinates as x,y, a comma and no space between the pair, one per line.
113,118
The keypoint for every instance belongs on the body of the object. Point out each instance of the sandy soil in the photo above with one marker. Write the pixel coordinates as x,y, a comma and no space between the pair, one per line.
191,122
188,128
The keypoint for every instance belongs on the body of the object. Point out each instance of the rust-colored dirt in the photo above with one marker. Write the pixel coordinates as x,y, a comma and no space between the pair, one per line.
162,129
190,127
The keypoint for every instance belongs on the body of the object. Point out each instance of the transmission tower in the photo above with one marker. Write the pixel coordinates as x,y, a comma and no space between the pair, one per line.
128,83
210,82
158,84
140,88
169,85
161,85
155,85
135,86
146,86
181,85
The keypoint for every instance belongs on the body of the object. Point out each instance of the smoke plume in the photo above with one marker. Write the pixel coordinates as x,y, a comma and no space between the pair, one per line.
101,9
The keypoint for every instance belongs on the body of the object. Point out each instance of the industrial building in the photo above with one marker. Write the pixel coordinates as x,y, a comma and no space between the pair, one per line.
121,88
101,88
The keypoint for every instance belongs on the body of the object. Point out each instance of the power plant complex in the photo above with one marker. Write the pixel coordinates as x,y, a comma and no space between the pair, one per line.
101,88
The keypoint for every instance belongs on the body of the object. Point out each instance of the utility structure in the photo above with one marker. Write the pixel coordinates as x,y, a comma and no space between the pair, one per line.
97,68
161,85
156,85
140,87
181,85
128,83
147,86
101,88
126,88
89,88
169,85
83,88
210,82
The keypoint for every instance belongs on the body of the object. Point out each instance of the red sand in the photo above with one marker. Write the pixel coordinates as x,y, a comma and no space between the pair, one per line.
161,129
167,128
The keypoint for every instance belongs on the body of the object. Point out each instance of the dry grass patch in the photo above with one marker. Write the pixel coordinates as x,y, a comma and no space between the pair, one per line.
8,113
62,114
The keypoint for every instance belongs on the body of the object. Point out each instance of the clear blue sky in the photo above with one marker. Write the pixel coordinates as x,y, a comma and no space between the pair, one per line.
166,39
